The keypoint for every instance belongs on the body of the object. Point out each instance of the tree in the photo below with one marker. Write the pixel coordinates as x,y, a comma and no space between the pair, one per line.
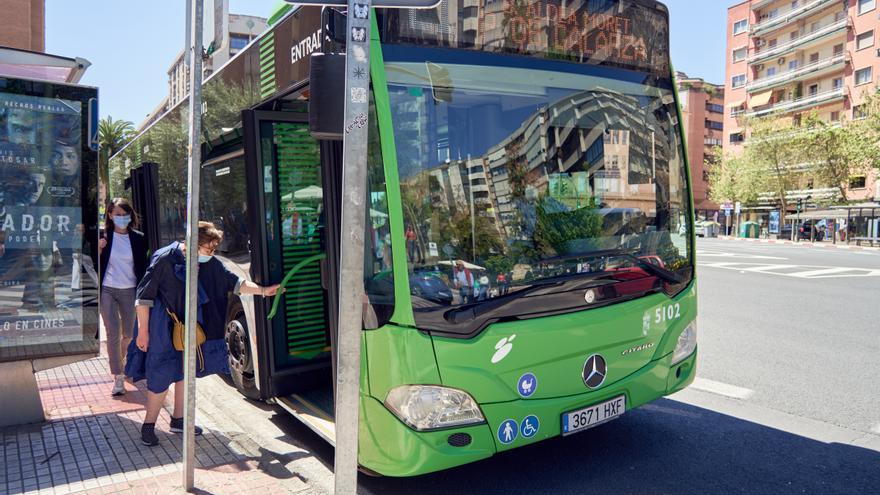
732,178
772,163
867,125
837,153
112,136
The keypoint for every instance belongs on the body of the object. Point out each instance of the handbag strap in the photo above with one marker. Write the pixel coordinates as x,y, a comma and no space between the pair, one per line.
172,315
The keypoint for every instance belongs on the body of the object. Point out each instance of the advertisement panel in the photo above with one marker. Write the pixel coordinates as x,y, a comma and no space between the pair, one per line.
774,222
48,283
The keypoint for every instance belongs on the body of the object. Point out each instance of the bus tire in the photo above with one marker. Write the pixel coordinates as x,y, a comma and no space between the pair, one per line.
241,364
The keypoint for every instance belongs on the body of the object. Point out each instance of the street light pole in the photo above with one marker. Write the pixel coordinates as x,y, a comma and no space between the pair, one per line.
355,208
192,248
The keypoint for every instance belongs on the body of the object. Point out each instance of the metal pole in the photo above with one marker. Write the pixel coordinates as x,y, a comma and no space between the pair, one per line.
351,263
192,248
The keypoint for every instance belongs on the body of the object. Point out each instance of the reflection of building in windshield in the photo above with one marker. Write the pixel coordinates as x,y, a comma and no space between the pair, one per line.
597,149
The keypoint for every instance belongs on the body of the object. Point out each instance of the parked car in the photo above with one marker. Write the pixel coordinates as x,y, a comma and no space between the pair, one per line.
809,227
430,285
706,228
785,231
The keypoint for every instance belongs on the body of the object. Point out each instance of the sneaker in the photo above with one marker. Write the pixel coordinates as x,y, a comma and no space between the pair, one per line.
148,434
177,426
118,386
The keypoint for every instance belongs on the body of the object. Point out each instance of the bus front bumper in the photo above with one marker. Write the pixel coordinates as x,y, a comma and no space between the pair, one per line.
390,448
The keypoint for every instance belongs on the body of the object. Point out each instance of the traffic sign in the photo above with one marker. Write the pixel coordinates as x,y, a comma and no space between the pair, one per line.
399,4
737,207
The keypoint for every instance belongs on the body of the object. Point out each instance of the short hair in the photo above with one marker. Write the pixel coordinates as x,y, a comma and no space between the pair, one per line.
209,234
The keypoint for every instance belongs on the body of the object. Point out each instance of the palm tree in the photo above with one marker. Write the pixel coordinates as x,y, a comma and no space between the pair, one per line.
112,136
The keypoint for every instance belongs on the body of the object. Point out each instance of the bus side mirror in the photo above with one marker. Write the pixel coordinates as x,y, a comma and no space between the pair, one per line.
326,95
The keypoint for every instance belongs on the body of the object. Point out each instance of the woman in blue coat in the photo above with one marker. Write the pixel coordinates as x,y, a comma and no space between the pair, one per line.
152,355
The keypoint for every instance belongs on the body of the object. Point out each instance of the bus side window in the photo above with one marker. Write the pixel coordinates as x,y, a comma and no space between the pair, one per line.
378,272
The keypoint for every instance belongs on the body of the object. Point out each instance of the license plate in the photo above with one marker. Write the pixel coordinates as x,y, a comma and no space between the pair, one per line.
588,417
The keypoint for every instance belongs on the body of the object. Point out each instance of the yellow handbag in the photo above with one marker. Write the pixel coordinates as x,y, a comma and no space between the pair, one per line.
178,332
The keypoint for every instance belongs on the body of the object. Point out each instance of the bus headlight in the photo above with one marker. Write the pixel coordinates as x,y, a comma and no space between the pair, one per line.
430,407
687,342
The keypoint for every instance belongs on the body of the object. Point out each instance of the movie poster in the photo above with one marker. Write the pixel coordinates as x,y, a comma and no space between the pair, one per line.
41,232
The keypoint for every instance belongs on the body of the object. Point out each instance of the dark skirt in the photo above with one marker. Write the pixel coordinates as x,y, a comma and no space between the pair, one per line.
162,364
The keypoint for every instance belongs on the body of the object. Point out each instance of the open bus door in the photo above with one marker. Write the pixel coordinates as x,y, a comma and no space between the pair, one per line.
143,182
294,187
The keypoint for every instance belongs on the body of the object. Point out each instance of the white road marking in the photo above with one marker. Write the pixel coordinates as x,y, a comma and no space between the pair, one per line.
707,254
820,273
724,389
796,271
766,268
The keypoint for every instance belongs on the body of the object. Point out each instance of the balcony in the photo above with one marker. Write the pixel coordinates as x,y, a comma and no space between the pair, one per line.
471,24
479,188
830,64
801,103
784,17
768,52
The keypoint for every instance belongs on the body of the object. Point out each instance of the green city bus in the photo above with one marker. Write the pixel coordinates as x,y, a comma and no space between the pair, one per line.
529,258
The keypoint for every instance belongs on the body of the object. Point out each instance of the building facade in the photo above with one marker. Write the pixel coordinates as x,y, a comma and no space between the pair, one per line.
702,108
24,24
790,57
235,34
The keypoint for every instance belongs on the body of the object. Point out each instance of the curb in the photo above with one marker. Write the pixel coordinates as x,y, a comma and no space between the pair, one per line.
820,245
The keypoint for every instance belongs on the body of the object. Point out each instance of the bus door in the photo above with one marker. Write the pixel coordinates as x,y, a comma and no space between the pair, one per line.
294,198
143,182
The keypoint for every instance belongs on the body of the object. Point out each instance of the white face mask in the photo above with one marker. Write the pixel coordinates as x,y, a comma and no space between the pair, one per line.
121,221
204,258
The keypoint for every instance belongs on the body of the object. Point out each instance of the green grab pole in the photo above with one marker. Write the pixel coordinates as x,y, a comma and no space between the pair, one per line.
287,278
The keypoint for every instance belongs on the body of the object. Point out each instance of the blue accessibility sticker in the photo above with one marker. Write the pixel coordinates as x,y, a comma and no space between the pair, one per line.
507,431
527,385
529,426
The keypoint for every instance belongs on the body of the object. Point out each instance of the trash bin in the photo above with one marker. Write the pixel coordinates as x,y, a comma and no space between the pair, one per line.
749,230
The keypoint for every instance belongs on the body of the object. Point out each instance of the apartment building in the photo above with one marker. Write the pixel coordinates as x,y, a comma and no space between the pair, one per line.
236,33
702,107
790,57
24,24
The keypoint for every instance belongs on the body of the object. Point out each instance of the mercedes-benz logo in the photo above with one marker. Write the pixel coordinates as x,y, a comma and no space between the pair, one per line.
594,371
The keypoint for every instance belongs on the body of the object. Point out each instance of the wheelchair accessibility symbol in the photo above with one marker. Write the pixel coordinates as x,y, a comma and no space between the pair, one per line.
529,426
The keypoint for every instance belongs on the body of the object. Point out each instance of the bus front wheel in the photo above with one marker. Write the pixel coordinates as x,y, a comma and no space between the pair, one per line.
241,363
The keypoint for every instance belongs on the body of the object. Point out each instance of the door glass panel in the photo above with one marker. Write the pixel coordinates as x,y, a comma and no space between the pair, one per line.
293,194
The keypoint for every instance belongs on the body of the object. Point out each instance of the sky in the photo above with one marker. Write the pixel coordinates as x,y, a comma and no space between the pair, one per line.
131,44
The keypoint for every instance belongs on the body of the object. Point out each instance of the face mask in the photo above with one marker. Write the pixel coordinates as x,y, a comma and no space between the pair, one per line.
204,258
121,221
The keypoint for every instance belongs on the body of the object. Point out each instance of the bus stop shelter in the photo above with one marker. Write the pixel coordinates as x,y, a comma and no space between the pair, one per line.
861,221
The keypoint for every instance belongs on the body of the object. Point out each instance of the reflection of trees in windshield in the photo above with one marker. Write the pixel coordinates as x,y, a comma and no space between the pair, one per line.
580,172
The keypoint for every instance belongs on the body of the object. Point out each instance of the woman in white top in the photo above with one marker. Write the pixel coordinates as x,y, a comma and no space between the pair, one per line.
123,256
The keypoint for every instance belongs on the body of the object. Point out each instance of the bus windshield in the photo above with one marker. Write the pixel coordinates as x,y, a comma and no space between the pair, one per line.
516,174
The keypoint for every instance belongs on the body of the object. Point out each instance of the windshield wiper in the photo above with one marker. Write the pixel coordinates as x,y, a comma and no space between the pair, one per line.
660,272
478,309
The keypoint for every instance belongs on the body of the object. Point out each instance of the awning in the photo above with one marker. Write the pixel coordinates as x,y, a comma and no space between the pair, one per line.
34,65
735,104
818,215
761,99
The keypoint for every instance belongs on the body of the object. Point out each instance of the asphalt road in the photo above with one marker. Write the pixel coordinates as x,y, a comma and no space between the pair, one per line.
787,398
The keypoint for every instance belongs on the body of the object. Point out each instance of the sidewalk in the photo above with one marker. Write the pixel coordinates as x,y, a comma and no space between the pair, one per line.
823,244
90,444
